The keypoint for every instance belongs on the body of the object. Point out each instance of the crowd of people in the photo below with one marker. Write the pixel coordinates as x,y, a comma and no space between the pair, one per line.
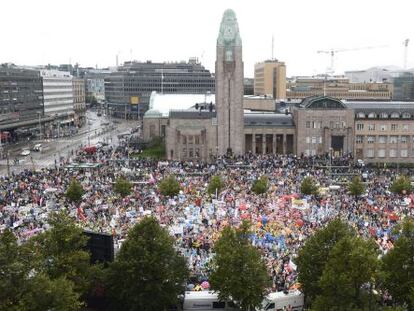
281,218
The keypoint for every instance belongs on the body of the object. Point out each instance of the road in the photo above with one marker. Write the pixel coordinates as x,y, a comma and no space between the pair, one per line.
97,129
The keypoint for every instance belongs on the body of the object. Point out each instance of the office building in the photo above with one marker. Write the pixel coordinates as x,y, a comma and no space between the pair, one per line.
79,105
127,91
270,79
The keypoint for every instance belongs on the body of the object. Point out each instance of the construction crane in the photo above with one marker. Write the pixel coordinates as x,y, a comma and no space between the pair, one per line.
332,52
405,43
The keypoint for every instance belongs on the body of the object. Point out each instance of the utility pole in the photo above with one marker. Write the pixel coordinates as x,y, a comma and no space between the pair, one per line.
8,164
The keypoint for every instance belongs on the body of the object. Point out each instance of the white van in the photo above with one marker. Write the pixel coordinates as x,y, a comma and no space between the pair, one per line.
277,301
205,301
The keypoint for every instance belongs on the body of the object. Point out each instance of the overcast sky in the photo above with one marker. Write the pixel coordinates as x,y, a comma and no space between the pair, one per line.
92,32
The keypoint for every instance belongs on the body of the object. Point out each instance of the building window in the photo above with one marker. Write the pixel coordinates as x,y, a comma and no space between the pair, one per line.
395,115
384,115
370,139
197,152
393,139
394,127
372,115
313,140
406,115
308,124
361,115
190,152
371,127
190,139
320,139
184,139
405,127
404,153
184,154
382,139
308,140
360,126
370,153
383,127
404,139
197,140
381,153
393,153
359,139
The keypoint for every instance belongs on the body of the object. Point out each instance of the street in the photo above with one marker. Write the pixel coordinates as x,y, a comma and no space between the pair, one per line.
53,150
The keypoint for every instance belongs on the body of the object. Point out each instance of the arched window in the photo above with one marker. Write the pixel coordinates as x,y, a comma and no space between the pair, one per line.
406,115
361,115
395,115
372,115
384,115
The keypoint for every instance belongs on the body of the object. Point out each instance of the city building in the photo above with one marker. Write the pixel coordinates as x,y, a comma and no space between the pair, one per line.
270,79
378,131
79,105
338,87
404,87
127,91
21,102
58,102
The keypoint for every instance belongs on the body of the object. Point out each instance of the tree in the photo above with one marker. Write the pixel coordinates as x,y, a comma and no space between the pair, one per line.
61,252
75,191
260,185
216,185
148,273
122,187
46,294
398,266
169,186
401,185
238,271
13,271
314,255
308,186
356,187
23,288
351,263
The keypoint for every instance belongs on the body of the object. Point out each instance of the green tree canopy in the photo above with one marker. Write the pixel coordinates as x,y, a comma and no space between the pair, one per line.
308,186
216,185
75,191
61,252
401,185
238,271
398,266
314,255
148,273
356,187
122,187
261,185
23,287
352,263
169,186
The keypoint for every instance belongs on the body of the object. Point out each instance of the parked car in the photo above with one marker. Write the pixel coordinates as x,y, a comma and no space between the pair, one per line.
25,152
37,147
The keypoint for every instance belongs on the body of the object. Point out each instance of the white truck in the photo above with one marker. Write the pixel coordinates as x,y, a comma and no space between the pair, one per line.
208,301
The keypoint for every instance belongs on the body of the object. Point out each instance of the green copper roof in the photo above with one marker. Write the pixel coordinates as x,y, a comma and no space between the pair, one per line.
229,30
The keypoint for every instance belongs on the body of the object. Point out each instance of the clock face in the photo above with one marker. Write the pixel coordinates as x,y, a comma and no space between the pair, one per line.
228,34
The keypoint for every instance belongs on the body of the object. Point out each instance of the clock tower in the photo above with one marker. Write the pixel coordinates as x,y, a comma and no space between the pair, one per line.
229,87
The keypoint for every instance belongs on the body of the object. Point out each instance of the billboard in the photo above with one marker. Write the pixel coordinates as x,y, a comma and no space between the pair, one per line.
134,100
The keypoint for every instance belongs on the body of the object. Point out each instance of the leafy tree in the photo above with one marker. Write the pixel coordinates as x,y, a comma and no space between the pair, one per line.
401,185
216,185
122,187
23,288
61,252
75,191
13,271
260,185
398,266
238,271
314,255
46,294
308,186
356,187
351,263
169,186
148,272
